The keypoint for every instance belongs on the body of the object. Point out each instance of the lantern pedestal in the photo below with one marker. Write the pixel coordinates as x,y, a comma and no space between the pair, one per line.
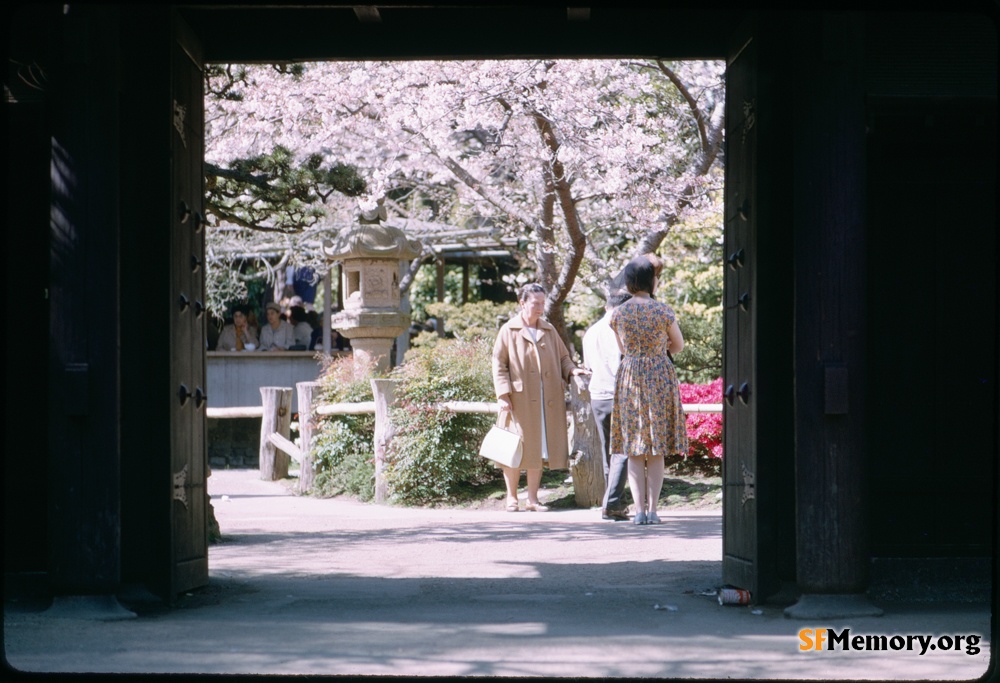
370,254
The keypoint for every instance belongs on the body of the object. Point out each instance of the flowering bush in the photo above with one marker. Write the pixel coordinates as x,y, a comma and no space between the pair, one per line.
434,454
704,429
344,461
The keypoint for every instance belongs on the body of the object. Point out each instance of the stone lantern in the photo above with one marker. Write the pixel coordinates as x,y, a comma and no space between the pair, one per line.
370,254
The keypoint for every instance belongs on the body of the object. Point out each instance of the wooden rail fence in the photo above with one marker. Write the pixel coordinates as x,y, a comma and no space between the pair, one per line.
277,449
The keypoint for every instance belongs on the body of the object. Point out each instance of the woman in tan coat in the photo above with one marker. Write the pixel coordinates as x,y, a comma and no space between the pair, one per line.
531,366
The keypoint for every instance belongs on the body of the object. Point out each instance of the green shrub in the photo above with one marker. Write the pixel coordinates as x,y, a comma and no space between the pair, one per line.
467,321
433,455
701,360
424,288
344,461
343,446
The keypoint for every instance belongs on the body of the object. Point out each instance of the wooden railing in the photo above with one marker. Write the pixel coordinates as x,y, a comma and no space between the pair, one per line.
277,449
235,377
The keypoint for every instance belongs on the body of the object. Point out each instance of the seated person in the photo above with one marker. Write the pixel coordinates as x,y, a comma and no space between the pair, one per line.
302,329
276,335
237,335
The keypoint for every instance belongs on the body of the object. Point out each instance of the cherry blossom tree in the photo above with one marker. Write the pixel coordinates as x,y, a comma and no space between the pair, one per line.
585,162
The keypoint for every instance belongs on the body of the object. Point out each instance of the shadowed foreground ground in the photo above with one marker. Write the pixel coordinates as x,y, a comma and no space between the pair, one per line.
310,586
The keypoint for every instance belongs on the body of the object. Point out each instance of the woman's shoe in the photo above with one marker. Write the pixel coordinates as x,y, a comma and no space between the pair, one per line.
652,518
640,518
512,506
536,507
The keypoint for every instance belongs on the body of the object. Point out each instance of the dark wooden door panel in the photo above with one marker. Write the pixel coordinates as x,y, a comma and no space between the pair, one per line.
189,542
741,542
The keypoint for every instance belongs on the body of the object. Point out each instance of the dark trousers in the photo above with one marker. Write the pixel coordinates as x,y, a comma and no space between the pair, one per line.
616,465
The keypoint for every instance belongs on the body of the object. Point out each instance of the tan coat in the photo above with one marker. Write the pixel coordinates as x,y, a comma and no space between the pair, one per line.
516,372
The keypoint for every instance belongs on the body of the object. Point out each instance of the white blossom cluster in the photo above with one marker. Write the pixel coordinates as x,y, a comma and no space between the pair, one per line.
468,143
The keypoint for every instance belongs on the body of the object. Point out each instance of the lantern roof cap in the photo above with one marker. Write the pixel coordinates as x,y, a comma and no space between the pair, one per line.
372,240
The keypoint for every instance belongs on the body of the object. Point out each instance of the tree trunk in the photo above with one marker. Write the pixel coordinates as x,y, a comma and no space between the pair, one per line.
556,178
277,419
586,458
307,419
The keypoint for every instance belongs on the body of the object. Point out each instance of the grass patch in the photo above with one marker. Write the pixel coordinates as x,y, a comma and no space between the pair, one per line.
691,491
681,491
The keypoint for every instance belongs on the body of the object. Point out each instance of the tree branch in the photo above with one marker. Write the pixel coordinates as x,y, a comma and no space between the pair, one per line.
239,176
710,130
235,219
699,117
504,205
652,240
577,239
545,247
413,268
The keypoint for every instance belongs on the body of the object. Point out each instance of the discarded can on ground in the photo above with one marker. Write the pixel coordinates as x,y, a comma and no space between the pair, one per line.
734,596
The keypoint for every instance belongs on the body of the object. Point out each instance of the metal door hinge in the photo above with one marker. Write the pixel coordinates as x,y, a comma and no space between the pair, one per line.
749,117
748,484
180,485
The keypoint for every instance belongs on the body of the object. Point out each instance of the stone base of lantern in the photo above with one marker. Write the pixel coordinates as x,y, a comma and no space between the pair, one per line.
372,333
371,352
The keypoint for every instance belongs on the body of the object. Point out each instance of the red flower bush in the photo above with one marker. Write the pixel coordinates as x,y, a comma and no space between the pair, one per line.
704,429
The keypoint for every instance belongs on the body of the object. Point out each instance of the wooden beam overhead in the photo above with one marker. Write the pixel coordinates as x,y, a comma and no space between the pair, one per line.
367,14
272,33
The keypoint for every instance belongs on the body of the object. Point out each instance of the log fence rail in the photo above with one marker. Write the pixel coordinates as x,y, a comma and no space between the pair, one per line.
277,449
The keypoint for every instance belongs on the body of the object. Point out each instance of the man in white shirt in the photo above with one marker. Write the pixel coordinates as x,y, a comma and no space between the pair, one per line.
601,356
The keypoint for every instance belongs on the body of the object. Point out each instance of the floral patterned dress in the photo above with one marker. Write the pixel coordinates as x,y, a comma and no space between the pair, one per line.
647,418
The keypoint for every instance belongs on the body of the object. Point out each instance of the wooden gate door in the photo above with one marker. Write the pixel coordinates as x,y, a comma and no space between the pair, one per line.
189,524
740,566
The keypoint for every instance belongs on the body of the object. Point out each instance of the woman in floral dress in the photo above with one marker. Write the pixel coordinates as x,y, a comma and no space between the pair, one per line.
647,421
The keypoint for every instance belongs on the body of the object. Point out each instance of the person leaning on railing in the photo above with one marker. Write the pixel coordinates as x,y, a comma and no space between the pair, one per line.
277,334
237,335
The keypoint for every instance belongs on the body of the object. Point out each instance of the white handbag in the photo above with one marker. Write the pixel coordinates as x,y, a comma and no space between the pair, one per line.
502,445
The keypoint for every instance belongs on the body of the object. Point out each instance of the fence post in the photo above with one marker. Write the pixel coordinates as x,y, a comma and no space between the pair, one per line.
384,391
277,419
307,422
587,459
